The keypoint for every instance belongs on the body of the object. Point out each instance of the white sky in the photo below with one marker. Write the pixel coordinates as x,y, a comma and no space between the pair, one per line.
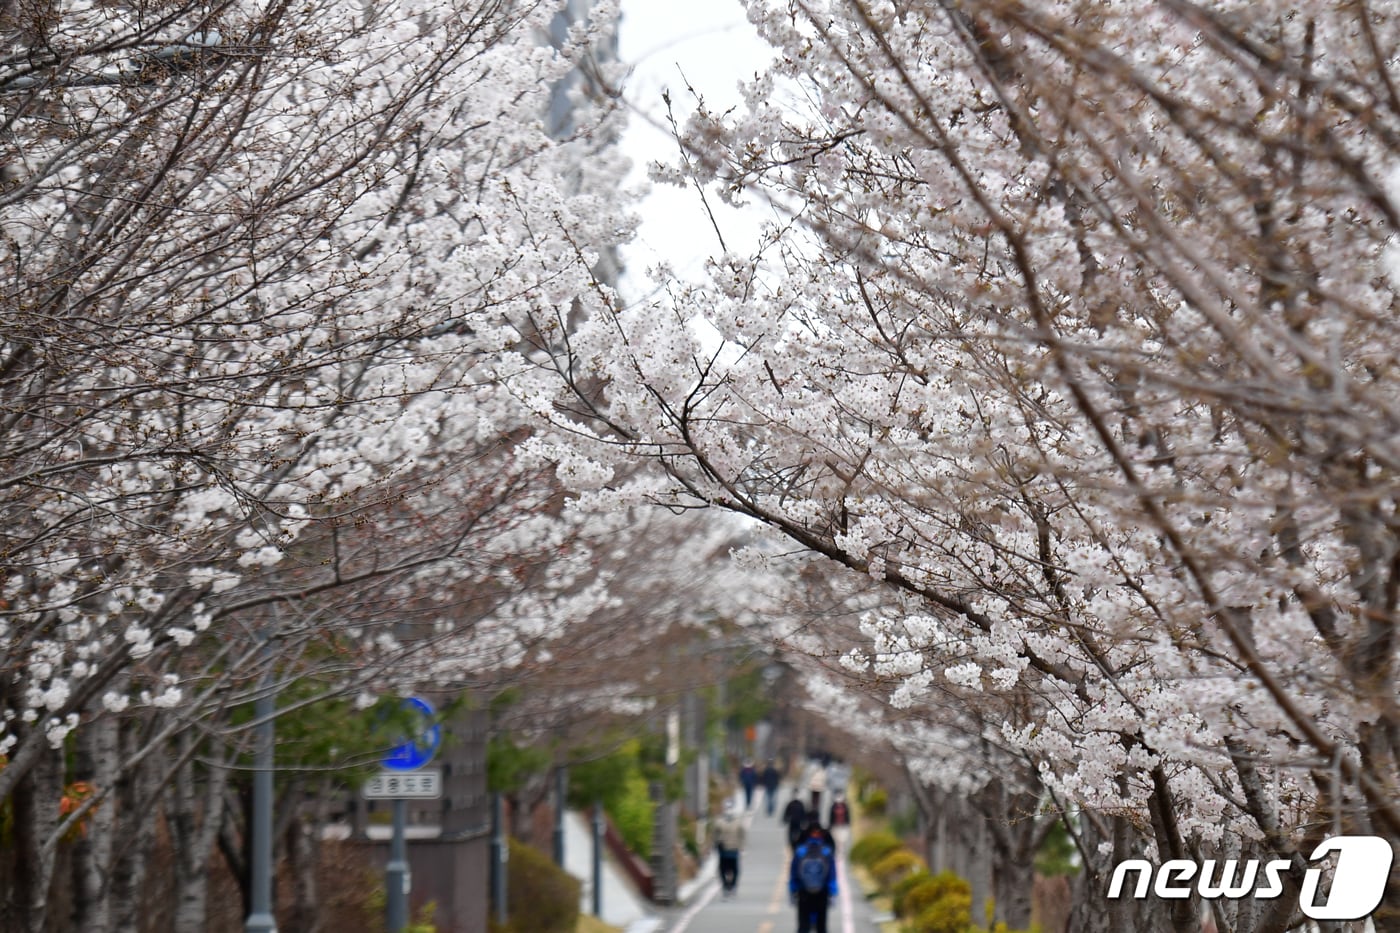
711,45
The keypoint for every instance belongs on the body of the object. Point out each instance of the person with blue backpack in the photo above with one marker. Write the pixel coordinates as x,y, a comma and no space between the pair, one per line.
812,878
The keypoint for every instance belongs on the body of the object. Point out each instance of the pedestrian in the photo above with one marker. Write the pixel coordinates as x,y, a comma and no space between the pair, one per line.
729,842
814,822
838,777
771,778
795,815
839,821
816,785
748,776
812,879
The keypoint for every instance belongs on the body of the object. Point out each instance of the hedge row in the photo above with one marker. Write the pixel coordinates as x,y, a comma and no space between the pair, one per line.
924,902
540,896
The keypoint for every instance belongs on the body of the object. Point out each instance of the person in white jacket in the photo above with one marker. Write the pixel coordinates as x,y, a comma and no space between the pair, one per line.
729,841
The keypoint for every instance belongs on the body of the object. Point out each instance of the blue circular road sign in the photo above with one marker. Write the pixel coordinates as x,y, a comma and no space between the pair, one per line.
419,750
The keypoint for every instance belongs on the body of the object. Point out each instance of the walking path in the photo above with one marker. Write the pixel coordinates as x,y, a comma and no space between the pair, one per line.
622,906
760,902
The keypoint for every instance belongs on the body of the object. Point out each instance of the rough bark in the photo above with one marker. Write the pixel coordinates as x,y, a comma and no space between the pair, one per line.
136,791
194,808
1011,818
1092,911
99,760
303,853
36,817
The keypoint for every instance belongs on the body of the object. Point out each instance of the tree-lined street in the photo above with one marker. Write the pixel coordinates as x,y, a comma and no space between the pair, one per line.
1042,447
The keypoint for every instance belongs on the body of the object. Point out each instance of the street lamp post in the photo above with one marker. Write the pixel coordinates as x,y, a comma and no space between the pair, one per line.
260,917
396,872
500,857
598,858
561,798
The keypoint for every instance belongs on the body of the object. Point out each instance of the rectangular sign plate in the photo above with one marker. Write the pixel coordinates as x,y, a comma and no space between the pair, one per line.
404,785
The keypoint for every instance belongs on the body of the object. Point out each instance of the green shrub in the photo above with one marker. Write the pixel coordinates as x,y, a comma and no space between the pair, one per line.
899,894
941,903
949,913
896,866
867,850
617,779
633,813
540,896
509,767
875,802
933,889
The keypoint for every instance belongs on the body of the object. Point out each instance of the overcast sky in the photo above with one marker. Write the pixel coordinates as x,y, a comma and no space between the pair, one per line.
711,45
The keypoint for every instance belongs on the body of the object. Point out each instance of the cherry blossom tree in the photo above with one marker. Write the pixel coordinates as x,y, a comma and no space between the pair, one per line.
257,259
1076,328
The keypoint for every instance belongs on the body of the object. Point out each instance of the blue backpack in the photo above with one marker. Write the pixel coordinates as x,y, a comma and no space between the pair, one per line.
813,868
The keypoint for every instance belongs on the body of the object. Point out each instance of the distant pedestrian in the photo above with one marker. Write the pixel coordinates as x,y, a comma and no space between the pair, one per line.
795,815
839,821
816,785
748,777
729,842
771,779
838,777
812,880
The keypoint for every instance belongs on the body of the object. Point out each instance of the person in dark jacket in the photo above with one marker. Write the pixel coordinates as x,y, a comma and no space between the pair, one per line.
814,822
812,878
748,777
771,778
795,815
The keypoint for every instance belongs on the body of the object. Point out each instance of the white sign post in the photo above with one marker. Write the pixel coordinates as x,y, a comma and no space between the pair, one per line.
404,779
404,785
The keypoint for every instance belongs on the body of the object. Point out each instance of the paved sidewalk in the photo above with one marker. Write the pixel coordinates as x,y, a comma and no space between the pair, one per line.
760,903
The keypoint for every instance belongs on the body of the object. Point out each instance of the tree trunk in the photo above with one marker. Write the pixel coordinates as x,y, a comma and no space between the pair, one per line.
303,854
1185,914
990,841
194,813
136,794
968,849
940,859
1092,911
978,840
36,817
1014,841
99,758
232,846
